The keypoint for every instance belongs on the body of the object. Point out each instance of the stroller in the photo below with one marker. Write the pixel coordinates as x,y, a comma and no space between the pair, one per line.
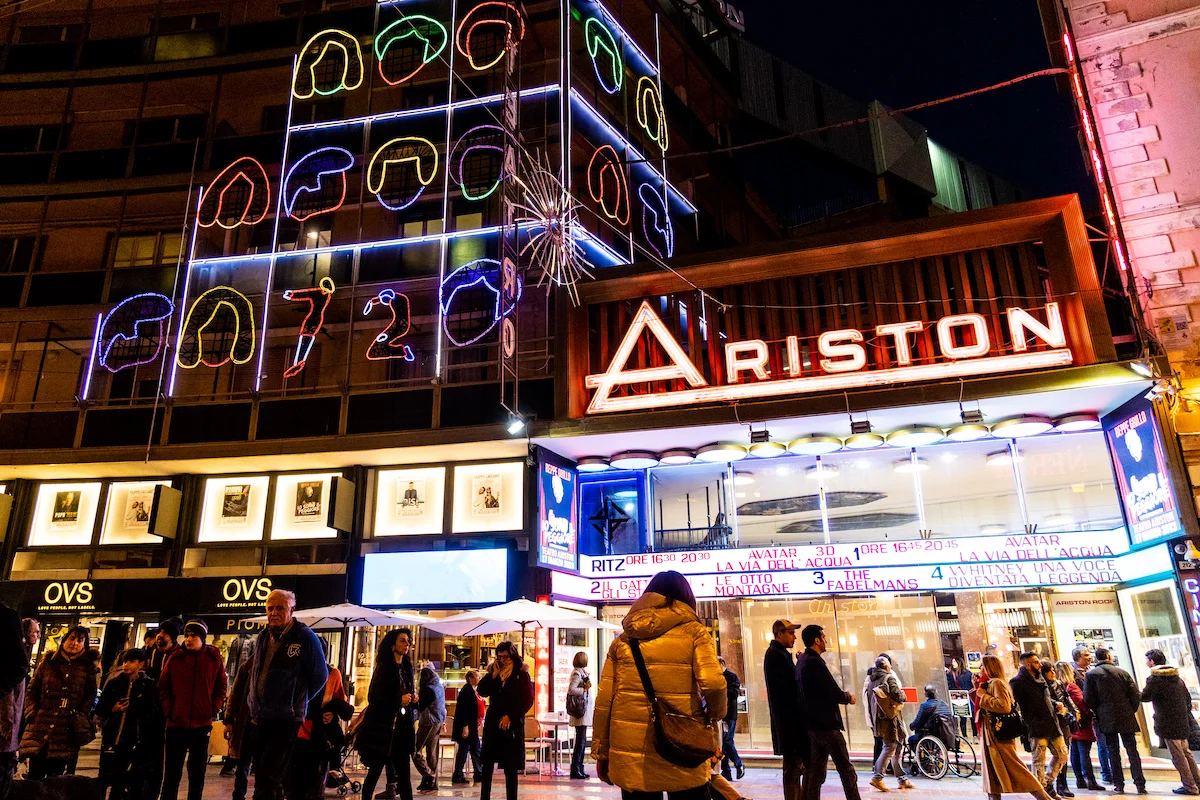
339,749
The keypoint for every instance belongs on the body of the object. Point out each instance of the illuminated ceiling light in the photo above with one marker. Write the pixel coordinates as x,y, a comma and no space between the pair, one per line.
634,459
992,530
721,451
677,456
826,471
742,479
916,436
1142,368
968,432
907,465
1072,423
592,464
1002,458
516,424
1059,521
864,441
1020,427
815,445
767,449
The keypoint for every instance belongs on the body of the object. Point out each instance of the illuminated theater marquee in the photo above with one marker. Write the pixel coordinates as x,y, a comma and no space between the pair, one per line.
964,344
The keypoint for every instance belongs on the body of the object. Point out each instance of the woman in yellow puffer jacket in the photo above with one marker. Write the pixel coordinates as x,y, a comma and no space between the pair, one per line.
682,663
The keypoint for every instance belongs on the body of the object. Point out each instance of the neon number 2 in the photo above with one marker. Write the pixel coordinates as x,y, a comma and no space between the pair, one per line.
386,344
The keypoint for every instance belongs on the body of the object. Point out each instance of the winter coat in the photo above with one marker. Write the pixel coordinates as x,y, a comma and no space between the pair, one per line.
511,698
158,661
296,674
578,677
1113,697
58,689
237,713
733,690
122,731
384,730
820,694
1059,694
682,663
14,667
890,728
431,702
1083,731
332,699
789,737
466,714
1003,770
959,680
1032,695
192,688
1172,702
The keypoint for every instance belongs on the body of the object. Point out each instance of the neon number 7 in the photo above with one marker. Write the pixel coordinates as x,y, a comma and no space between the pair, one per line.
318,298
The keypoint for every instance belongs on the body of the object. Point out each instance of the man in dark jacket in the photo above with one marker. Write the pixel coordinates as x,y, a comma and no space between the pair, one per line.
929,716
465,730
1040,715
820,698
166,644
127,708
733,690
287,672
788,736
1172,717
192,690
1083,662
1111,693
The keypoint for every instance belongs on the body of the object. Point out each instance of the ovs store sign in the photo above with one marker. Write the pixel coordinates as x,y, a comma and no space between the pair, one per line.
70,597
840,362
238,594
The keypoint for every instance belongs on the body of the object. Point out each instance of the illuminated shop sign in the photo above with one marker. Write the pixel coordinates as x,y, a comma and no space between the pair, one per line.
850,555
949,576
66,597
1143,477
558,513
840,362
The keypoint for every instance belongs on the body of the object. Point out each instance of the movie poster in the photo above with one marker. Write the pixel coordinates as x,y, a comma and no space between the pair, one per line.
66,511
485,494
235,506
138,503
1143,478
557,514
410,498
308,501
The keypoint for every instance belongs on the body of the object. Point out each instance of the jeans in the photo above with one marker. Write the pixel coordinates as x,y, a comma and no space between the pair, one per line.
467,747
824,745
1081,762
1114,742
728,748
1058,751
426,754
192,743
793,777
41,767
272,742
1185,765
889,752
241,773
577,752
510,782
698,793
1102,756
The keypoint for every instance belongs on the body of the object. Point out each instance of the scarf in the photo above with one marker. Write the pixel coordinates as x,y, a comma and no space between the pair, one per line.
505,673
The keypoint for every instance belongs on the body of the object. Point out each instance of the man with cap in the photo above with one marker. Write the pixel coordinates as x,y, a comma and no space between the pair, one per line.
192,690
788,736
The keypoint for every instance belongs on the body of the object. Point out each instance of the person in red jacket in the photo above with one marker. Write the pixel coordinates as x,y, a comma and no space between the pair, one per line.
192,690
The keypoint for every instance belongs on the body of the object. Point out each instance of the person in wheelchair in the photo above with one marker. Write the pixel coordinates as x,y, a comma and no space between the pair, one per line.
934,718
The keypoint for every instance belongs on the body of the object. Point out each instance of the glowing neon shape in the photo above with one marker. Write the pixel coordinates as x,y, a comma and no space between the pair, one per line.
484,273
481,137
129,322
305,178
415,149
659,228
306,83
246,175
430,33
606,162
466,29
204,312
649,101
387,345
309,327
597,37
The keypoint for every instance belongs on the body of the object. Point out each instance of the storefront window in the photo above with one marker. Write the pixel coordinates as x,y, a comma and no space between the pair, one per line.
1015,622
777,501
969,489
1068,483
870,495
689,506
1154,621
610,514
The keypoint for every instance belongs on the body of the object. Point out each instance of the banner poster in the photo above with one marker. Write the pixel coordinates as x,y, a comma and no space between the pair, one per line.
308,501
235,508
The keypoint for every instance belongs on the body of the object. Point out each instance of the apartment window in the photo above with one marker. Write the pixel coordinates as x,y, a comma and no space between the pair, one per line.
46,34
274,118
29,139
144,250
17,253
165,130
297,7
186,23
422,227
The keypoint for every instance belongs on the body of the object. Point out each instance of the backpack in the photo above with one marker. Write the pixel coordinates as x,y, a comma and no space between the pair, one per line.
946,730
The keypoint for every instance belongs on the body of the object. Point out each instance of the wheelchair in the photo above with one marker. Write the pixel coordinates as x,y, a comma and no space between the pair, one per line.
933,759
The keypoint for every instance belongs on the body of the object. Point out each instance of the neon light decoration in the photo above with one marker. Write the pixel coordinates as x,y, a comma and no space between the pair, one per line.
236,339
240,195
474,33
407,45
470,301
656,221
651,114
306,191
387,344
556,235
329,62
614,201
131,333
395,187
313,321
476,157
597,37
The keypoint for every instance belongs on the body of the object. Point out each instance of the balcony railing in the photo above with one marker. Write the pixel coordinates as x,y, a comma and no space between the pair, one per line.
716,537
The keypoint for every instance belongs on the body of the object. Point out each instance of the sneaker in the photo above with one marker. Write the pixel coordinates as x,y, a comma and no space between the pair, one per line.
905,783
741,771
1182,790
877,783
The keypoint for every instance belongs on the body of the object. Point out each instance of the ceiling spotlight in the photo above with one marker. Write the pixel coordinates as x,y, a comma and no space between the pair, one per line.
1002,458
860,426
1077,422
968,432
677,456
972,417
767,449
907,465
864,441
826,471
516,424
634,459
742,478
718,452
1020,427
815,445
1142,368
592,464
759,436
916,436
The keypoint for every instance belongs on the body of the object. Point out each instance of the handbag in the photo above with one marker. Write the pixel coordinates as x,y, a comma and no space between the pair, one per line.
1006,727
83,731
577,704
680,738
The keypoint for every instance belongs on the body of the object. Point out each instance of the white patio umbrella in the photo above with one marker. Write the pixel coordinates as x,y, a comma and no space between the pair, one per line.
517,615
347,615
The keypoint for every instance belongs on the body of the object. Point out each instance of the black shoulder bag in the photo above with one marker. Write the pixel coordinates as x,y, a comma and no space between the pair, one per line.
679,738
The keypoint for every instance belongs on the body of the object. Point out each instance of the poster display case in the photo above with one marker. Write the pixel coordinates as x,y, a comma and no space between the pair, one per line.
302,507
129,512
489,497
235,509
410,501
65,514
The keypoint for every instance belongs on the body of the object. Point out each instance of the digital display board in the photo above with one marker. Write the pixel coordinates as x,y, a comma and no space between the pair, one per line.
435,578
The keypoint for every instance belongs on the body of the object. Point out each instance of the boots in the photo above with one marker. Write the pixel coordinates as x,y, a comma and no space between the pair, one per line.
388,793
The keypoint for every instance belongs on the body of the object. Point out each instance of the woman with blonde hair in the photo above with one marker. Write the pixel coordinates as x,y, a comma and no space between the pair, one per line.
1003,771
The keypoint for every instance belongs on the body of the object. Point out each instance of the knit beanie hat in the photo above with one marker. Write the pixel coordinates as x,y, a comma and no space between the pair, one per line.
172,627
196,627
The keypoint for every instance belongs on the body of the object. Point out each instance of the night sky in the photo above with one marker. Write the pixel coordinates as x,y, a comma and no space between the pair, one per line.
903,53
